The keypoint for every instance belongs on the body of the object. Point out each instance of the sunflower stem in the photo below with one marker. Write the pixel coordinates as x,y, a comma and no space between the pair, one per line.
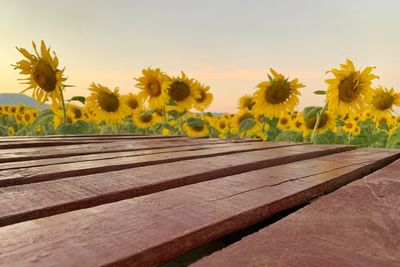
63,106
317,123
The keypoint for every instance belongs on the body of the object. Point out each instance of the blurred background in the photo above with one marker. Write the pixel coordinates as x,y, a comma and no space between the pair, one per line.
227,44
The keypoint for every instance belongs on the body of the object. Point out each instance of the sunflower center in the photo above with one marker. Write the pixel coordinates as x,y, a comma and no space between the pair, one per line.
310,123
284,121
222,125
349,88
77,112
202,97
278,92
145,117
197,128
153,88
383,101
45,76
249,103
133,103
108,102
27,117
179,91
349,125
298,124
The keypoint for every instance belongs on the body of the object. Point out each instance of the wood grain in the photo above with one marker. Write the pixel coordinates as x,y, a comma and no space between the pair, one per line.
23,202
58,171
23,154
358,225
152,229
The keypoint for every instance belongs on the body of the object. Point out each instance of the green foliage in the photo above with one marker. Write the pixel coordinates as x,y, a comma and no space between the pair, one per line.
246,125
311,112
320,92
81,99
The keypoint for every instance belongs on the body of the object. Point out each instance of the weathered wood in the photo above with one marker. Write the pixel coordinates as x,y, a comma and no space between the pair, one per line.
35,200
21,154
114,155
358,225
154,228
58,171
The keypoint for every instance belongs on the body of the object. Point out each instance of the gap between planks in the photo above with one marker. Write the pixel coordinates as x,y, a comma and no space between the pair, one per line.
153,229
58,171
58,196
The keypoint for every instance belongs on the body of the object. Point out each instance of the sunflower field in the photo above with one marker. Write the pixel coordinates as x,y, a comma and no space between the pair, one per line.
355,111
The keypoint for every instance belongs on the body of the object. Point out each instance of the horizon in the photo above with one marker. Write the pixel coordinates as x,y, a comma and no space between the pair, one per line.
228,45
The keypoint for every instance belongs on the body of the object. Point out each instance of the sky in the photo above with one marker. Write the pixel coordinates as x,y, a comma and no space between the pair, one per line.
226,44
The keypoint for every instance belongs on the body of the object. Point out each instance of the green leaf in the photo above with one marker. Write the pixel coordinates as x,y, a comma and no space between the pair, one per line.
289,136
66,129
327,137
311,112
81,99
320,92
174,114
195,122
246,124
81,127
3,131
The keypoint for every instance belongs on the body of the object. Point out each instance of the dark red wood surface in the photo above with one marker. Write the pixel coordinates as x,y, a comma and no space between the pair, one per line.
135,200
358,225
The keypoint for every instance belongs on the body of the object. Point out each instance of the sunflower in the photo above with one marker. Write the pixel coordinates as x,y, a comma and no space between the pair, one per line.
145,119
284,121
297,123
182,92
204,98
106,104
384,119
246,103
19,118
367,114
276,95
28,118
383,100
10,131
350,90
21,108
327,122
165,131
221,124
58,118
154,85
349,126
77,110
356,130
44,77
253,131
133,101
238,118
199,129
12,110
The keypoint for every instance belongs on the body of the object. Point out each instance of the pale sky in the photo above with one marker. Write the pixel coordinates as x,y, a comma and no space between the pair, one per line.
227,44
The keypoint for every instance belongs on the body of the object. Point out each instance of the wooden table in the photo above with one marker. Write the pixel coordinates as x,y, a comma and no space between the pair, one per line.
133,200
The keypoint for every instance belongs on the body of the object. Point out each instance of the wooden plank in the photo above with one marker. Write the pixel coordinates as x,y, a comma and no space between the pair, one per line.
87,137
42,143
358,225
21,154
152,229
62,170
114,155
25,202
